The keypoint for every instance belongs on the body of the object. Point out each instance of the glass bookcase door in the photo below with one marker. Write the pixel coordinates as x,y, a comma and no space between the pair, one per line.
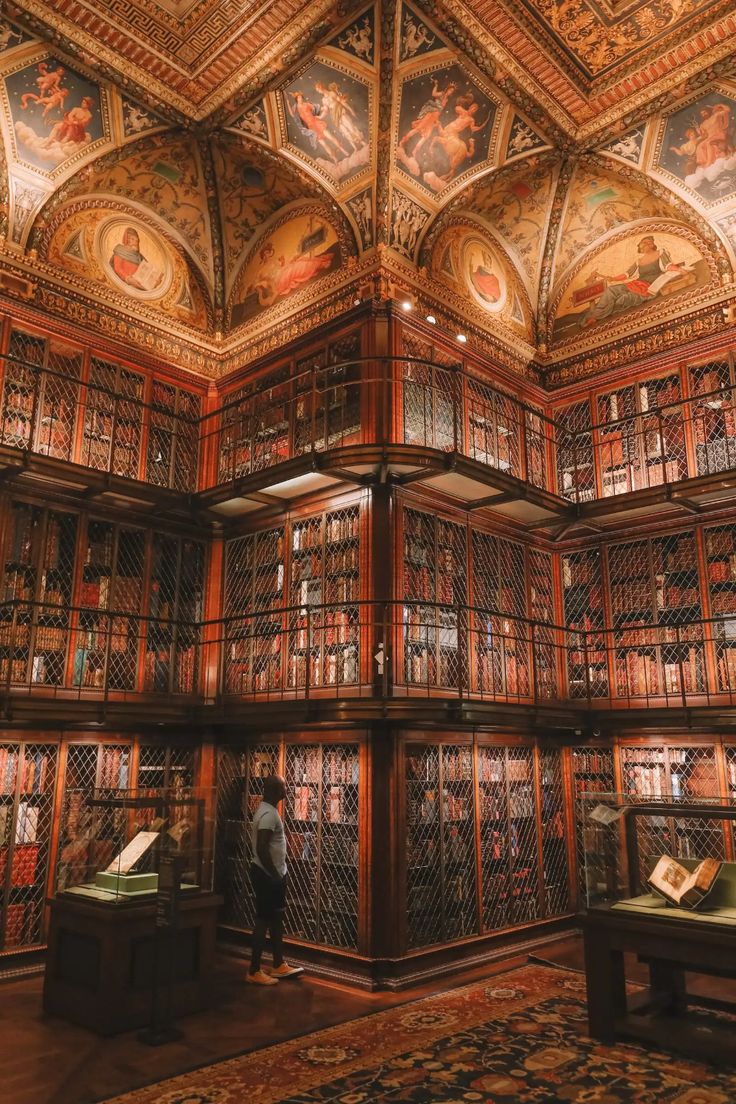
58,405
424,882
554,849
592,772
339,846
302,822
582,601
713,417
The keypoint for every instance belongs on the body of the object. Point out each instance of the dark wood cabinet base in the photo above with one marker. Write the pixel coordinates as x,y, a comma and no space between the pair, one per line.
102,959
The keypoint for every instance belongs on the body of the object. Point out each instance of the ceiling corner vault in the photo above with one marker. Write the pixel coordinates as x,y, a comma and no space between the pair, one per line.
217,175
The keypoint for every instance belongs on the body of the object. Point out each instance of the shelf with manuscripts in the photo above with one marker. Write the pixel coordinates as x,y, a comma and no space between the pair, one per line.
434,586
327,394
323,645
40,399
254,581
113,419
730,764
656,581
440,857
89,767
38,562
575,465
592,772
112,572
430,411
720,564
492,429
674,772
168,767
321,824
638,443
583,612
501,647
713,416
27,784
172,451
174,608
542,612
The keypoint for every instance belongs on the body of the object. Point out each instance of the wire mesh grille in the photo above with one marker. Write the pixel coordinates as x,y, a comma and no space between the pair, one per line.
254,581
730,754
435,571
554,851
713,417
162,610
458,843
542,612
593,772
166,767
502,657
234,436
55,581
431,410
84,846
720,555
27,777
575,468
271,408
240,775
493,427
20,388
339,847
673,773
189,607
582,599
302,825
128,427
662,431
424,881
618,448
536,435
324,643
58,405
508,837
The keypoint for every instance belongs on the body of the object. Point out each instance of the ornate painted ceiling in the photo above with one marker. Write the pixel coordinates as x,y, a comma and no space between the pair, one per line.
210,178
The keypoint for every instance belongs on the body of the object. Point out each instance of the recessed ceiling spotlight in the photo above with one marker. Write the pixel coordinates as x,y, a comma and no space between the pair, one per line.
462,338
357,302
406,305
431,318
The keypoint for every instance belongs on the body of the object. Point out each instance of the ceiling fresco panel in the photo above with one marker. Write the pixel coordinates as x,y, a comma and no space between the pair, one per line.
696,147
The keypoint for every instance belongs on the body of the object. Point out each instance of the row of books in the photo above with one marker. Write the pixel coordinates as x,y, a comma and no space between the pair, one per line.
331,670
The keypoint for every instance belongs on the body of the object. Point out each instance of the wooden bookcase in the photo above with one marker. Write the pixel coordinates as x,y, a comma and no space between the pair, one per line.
575,466
501,657
593,771
254,581
27,786
172,452
113,419
322,817
484,837
175,608
583,610
720,565
713,418
645,445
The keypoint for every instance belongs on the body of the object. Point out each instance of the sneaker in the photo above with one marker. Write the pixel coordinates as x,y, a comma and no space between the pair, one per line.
285,971
260,978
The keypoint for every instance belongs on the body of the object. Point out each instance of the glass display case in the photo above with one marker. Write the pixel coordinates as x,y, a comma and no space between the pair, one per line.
124,837
659,855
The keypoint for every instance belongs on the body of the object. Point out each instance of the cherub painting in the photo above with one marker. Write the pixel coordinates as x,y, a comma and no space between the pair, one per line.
56,113
327,119
445,124
699,146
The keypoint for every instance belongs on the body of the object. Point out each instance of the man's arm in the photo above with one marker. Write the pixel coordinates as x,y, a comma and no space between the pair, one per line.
263,850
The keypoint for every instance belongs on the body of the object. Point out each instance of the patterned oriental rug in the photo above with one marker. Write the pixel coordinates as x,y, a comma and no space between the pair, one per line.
518,1038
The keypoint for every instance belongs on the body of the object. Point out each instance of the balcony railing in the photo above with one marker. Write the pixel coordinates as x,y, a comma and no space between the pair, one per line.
365,649
374,401
78,651
48,413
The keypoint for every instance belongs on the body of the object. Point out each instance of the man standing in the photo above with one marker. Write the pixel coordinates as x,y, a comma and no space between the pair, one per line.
268,878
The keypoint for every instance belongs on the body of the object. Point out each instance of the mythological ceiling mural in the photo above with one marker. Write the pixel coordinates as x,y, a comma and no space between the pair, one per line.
557,177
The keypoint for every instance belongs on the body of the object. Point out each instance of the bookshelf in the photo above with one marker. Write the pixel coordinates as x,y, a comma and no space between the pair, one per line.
435,571
113,419
720,563
270,438
174,606
676,773
556,895
730,764
254,581
323,644
656,581
509,845
592,772
240,775
575,467
713,416
89,767
41,395
39,554
430,408
173,437
502,656
106,652
639,444
582,604
27,783
440,859
542,611
166,767
493,429
320,816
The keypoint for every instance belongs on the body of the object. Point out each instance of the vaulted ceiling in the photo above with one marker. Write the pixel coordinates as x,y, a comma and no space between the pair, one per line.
210,177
